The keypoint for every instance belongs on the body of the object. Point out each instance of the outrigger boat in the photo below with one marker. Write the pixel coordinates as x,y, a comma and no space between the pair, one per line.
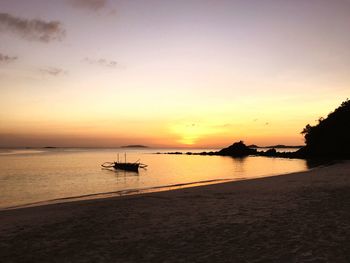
134,167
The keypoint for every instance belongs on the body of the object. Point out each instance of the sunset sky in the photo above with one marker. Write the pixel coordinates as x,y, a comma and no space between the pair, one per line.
184,73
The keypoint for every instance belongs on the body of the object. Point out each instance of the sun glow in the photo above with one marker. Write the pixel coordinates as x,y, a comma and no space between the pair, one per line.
191,133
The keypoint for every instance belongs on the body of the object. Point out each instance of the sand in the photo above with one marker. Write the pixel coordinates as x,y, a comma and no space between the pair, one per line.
301,217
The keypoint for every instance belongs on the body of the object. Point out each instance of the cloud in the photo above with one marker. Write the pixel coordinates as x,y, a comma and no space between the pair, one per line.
101,62
89,4
7,59
31,29
53,71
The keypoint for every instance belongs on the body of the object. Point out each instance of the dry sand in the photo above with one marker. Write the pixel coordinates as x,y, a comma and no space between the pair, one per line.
301,217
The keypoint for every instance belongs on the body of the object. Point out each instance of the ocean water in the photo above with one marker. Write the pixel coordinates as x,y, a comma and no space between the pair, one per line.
38,176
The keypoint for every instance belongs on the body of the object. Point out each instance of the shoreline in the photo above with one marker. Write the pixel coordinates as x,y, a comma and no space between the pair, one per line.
298,217
147,190
121,193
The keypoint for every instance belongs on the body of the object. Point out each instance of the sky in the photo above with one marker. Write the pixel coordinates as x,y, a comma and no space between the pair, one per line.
184,73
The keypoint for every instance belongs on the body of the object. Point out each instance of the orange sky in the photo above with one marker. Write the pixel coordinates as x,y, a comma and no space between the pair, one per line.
171,73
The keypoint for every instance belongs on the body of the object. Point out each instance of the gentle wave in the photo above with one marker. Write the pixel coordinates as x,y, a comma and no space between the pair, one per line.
118,193
15,152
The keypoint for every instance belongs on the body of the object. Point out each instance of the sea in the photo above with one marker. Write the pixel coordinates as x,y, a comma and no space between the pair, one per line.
30,177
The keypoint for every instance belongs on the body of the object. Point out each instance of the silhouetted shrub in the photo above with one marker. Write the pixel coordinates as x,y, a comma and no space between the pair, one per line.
331,136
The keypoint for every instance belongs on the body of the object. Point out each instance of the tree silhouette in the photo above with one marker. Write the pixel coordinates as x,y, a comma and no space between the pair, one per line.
331,136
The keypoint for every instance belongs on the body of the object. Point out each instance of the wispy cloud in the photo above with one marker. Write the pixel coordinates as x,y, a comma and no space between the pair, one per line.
31,29
101,62
7,59
53,71
89,4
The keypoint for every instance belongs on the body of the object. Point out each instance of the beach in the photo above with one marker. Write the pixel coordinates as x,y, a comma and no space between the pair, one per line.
299,217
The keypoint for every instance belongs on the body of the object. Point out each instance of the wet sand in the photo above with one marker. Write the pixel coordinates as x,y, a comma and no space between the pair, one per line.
301,217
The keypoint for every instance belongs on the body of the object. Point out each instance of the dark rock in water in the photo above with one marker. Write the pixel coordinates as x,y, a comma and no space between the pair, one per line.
271,152
282,146
134,146
302,152
238,149
208,153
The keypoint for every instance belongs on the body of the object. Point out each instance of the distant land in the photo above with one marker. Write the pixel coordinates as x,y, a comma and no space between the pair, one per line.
284,146
134,146
281,146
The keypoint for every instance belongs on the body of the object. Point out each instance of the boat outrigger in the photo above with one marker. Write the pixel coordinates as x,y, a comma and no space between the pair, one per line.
134,167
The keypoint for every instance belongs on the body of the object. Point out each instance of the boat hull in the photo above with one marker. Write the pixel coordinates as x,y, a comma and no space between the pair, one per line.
127,166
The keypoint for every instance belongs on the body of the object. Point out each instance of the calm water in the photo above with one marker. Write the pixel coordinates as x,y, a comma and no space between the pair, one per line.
29,176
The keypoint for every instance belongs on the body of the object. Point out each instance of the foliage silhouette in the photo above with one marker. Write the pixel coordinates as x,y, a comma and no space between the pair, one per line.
330,138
